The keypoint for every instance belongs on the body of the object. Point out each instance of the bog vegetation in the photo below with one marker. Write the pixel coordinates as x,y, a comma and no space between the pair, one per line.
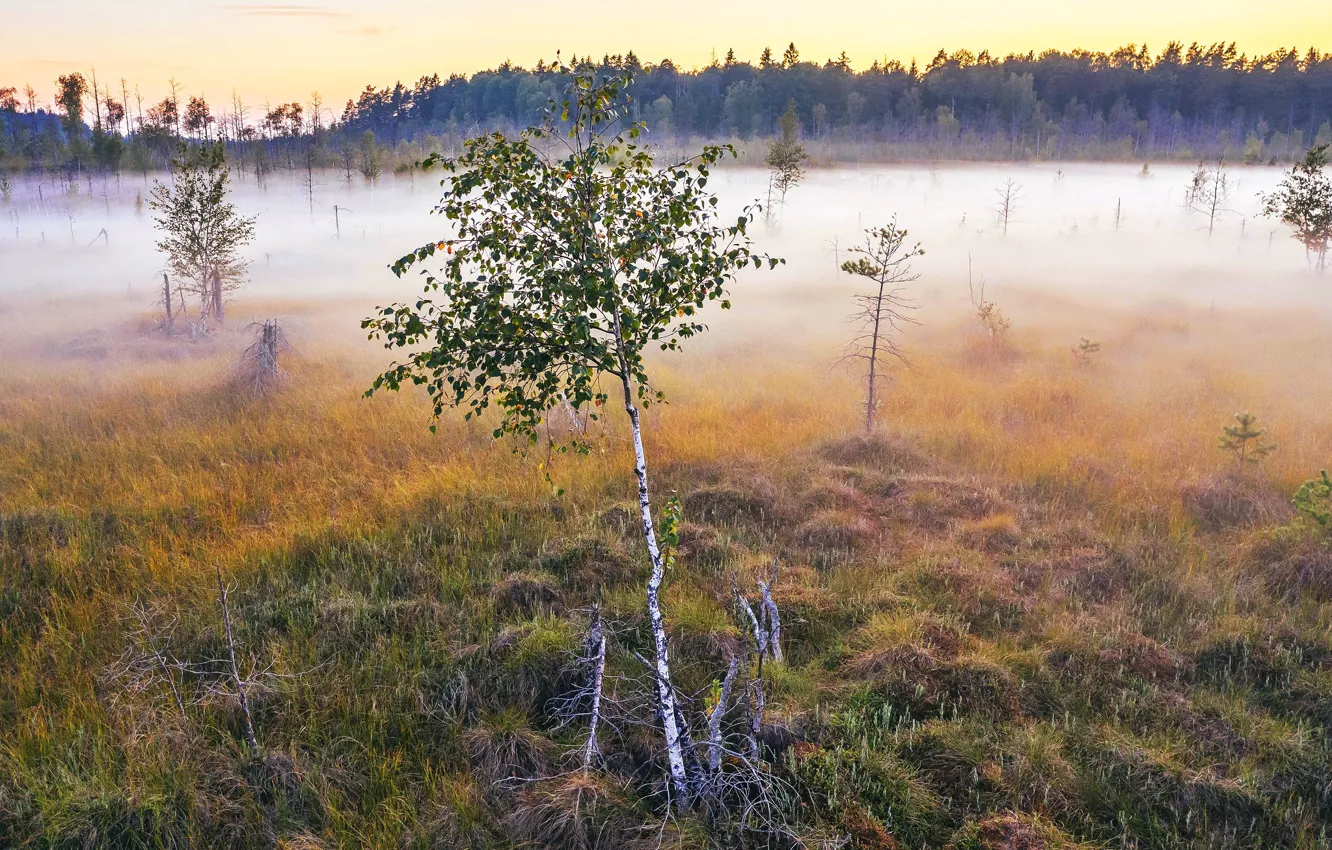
1007,599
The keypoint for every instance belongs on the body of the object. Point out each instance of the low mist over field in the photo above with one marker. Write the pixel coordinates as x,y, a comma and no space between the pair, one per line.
1063,236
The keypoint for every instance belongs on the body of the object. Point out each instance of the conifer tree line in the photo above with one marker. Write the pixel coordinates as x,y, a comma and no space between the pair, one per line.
1185,103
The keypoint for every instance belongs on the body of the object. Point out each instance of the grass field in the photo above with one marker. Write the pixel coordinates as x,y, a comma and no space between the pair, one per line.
1037,609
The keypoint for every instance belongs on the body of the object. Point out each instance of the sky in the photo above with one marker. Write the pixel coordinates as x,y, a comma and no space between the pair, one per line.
282,52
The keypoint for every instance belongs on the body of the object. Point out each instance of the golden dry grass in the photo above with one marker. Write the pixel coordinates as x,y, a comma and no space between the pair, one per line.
1042,552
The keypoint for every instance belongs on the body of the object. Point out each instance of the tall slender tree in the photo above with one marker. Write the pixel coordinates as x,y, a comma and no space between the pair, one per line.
564,269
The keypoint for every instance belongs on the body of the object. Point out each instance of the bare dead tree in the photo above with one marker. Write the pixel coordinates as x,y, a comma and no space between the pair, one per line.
1010,197
883,313
308,180
258,370
167,303
770,609
241,684
1208,191
148,665
766,631
716,716
592,662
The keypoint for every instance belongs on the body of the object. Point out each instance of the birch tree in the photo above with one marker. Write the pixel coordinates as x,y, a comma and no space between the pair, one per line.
202,233
572,254
1303,201
786,156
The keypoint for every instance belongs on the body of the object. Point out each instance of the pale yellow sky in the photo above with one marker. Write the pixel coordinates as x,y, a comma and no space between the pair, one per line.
282,52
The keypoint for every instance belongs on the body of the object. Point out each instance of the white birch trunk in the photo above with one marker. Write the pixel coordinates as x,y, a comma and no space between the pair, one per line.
774,619
662,667
715,719
598,643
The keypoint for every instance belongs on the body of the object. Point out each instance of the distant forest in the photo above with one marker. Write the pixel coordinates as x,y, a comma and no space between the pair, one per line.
1186,103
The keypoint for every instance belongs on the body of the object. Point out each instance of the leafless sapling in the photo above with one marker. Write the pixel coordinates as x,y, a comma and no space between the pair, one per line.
1208,191
148,666
1005,209
885,260
586,702
169,296
242,685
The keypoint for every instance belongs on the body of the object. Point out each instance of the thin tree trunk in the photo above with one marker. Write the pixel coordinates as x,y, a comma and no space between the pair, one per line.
715,719
774,618
597,639
250,740
217,297
166,299
665,692
874,360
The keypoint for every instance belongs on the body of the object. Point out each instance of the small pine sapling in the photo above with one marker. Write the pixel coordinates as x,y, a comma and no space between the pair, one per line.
1244,439
1082,353
885,261
992,319
1314,500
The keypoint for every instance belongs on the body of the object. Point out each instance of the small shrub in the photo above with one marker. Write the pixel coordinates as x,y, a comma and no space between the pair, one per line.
884,452
503,746
590,563
701,546
1231,501
724,505
998,533
834,531
935,503
580,811
1012,831
1291,563
526,593
1314,500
